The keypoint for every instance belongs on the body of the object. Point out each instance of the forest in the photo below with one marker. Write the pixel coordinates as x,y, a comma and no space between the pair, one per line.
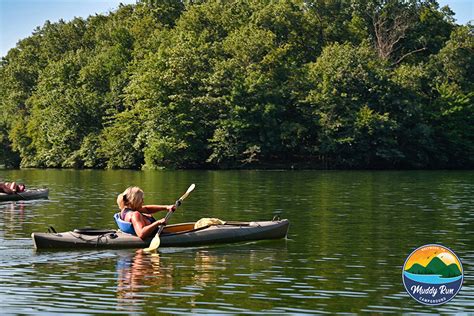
324,84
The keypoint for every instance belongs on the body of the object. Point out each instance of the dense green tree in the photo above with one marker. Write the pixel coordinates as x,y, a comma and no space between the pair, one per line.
185,84
351,104
453,109
258,81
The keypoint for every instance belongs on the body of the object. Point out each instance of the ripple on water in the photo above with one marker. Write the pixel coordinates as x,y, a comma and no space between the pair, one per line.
345,224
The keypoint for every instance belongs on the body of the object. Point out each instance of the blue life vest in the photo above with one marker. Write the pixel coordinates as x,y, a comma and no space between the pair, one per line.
124,226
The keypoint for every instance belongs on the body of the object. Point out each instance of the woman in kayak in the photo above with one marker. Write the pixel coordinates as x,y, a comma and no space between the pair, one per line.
11,187
132,210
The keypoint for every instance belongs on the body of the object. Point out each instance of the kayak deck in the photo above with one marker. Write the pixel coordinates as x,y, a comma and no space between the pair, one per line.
32,194
177,235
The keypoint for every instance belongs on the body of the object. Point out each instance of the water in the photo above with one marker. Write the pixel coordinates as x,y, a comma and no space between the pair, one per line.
349,237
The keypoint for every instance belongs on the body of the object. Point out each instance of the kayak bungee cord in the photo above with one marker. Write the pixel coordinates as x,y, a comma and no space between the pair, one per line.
97,240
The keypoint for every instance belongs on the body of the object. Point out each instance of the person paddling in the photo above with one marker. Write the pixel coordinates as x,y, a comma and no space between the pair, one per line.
132,210
11,187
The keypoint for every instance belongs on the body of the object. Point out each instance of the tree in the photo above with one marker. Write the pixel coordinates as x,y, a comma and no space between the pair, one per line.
185,84
453,110
351,106
402,29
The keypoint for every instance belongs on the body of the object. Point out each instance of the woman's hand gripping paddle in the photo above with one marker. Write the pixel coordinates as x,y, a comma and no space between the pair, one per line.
155,243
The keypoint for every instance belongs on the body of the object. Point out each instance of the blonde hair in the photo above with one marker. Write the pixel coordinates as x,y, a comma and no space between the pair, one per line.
132,197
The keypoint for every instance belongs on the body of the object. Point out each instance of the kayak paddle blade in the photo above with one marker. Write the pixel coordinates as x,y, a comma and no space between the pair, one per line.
155,243
190,189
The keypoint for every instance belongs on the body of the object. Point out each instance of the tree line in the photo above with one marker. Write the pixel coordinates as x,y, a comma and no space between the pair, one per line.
232,84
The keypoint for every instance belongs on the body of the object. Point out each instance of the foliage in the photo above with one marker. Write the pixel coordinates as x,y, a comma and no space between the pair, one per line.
224,84
453,109
351,105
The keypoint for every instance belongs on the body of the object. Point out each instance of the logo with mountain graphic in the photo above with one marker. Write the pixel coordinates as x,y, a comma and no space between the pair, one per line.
432,274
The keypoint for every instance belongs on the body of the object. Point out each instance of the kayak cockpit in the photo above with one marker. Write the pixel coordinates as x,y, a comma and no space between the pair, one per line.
171,229
178,228
190,227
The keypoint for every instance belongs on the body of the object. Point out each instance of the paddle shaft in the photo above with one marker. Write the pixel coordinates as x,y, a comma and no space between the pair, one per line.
162,226
155,243
19,194
177,203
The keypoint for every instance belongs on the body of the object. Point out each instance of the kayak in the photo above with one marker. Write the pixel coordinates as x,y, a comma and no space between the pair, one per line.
32,194
177,235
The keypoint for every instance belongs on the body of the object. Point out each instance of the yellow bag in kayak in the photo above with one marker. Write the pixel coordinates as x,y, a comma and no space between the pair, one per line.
203,222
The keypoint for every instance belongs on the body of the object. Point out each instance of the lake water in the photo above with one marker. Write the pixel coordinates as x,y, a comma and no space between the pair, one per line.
350,235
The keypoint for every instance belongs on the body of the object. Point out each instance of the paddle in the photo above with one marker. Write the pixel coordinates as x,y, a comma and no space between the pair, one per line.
155,243
20,195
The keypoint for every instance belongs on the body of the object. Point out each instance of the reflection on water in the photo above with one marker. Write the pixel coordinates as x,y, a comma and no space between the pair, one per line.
13,217
138,272
13,212
350,234
199,278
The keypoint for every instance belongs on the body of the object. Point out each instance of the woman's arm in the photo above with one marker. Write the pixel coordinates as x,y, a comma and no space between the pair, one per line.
150,209
140,225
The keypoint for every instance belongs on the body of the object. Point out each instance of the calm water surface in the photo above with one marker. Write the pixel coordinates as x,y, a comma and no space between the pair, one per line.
349,237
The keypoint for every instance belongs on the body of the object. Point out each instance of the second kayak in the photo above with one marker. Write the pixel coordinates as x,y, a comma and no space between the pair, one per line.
32,194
